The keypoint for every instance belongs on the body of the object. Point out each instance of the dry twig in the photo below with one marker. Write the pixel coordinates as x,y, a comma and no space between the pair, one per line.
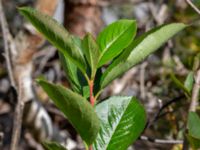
195,92
19,107
7,40
193,6
18,120
142,80
161,141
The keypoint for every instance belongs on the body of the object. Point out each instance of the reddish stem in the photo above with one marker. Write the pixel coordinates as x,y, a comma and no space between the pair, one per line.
92,100
90,148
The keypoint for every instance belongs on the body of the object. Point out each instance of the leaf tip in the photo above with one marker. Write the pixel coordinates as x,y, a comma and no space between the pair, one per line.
40,80
24,9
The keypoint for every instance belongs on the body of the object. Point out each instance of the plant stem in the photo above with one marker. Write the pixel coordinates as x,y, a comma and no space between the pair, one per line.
91,86
92,99
90,148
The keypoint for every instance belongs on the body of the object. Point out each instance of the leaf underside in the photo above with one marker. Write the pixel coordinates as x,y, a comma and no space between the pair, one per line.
139,49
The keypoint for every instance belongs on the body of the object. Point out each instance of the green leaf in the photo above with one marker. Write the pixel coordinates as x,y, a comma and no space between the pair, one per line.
188,84
86,91
76,108
76,79
179,84
195,143
139,49
56,34
71,72
52,146
91,51
97,81
114,38
122,121
193,125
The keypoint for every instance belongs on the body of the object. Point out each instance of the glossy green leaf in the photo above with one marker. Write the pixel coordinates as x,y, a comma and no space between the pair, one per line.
56,34
139,49
91,51
114,38
193,125
53,146
71,72
189,81
76,108
122,121
76,79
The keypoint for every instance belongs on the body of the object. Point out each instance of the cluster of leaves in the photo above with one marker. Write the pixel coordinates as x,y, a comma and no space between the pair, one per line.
193,120
188,83
118,121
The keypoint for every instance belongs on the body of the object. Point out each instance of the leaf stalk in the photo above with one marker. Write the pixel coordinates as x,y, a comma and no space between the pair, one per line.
91,86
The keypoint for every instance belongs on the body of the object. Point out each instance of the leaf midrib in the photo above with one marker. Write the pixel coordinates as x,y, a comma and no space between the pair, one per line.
61,37
109,70
90,54
118,124
113,41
